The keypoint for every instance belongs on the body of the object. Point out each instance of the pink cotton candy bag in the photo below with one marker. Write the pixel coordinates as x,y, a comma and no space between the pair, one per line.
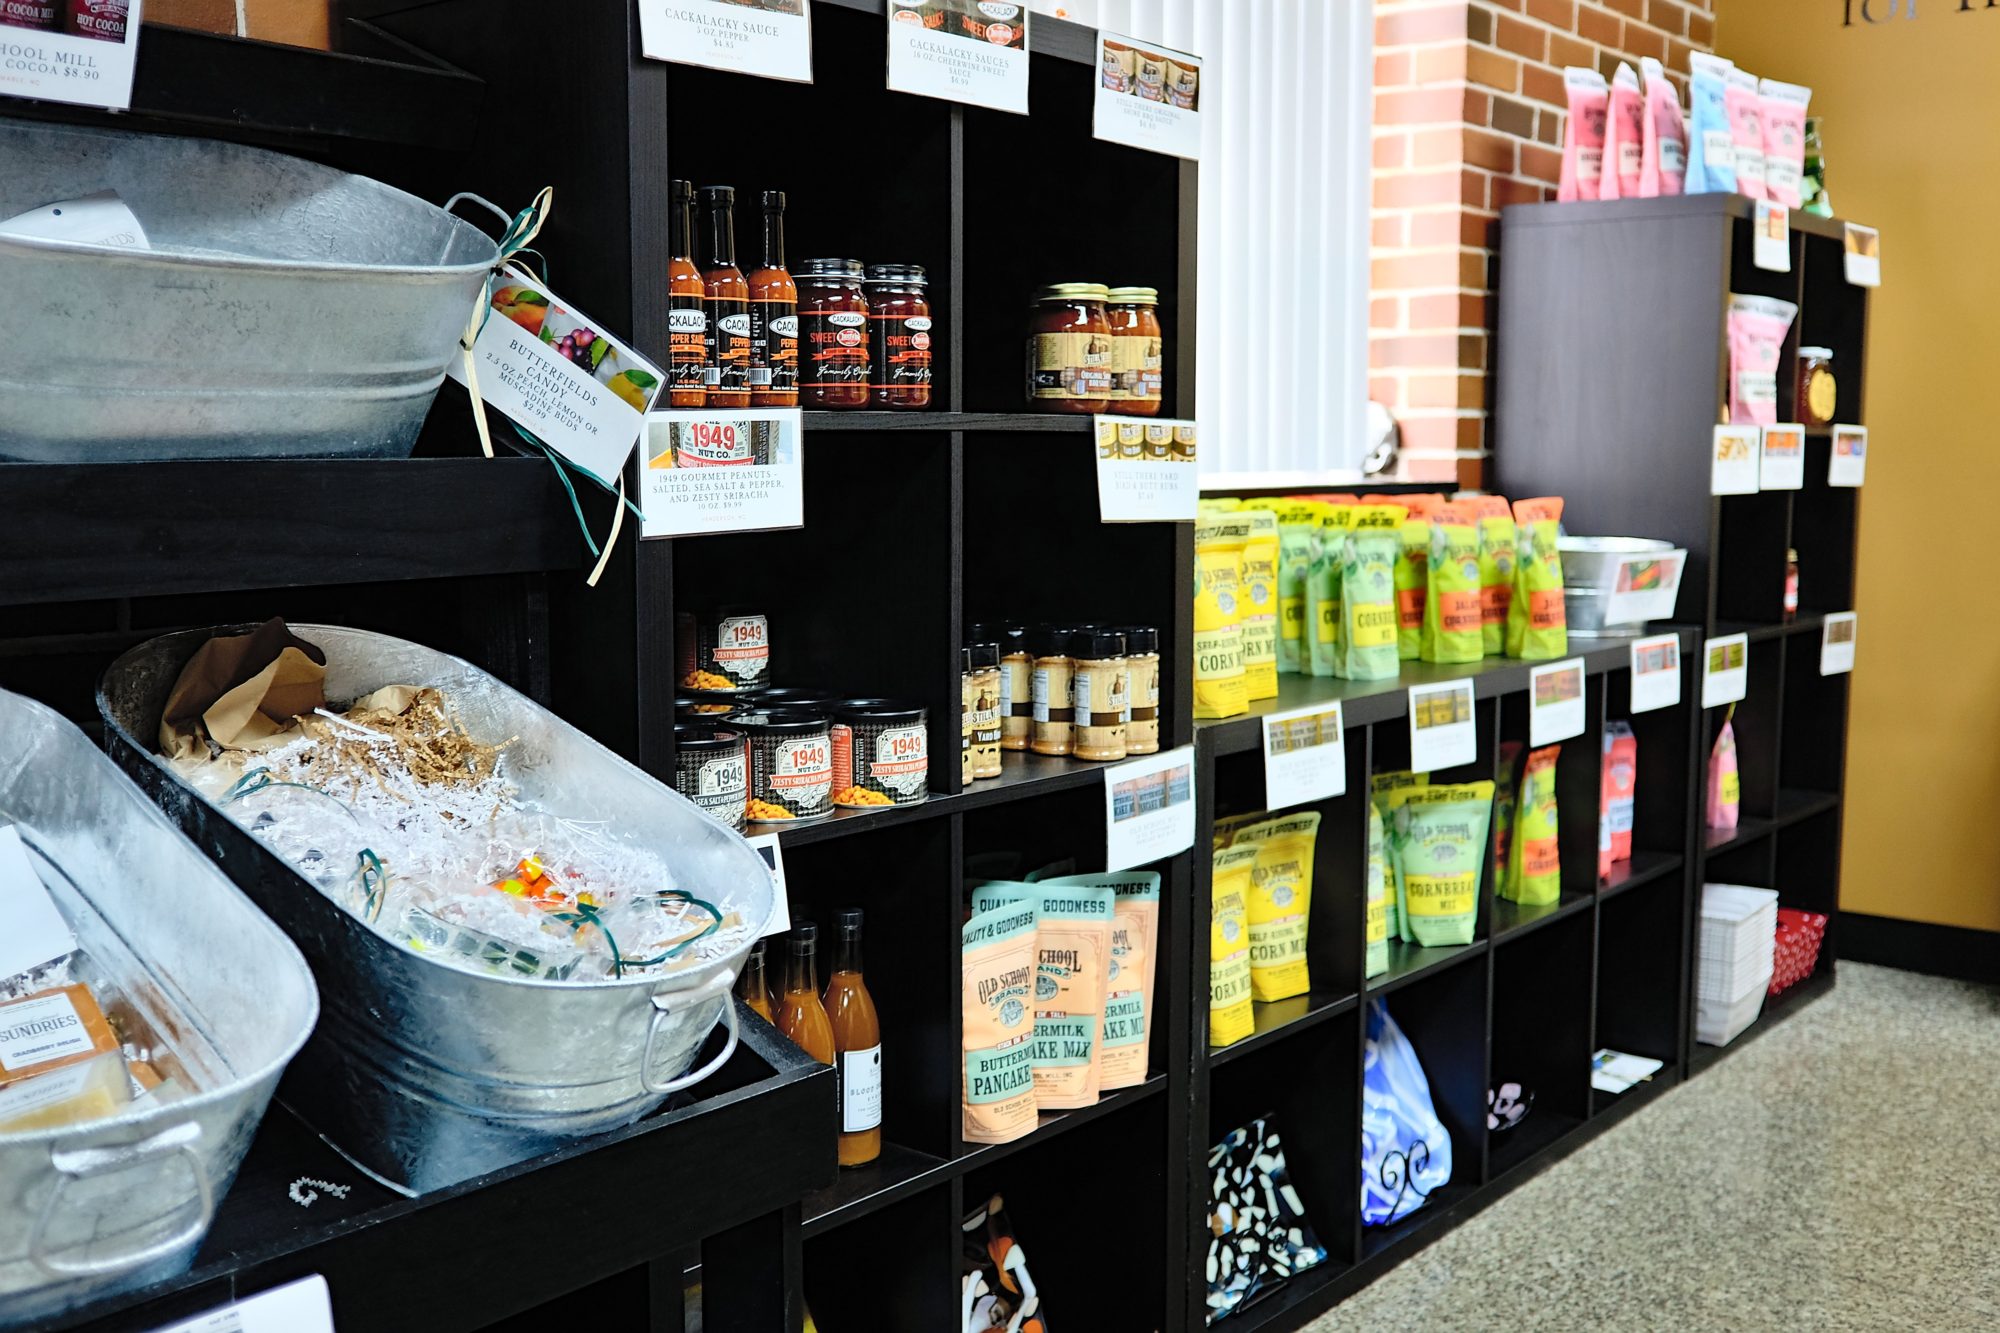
1746,131
1624,136
1583,135
1725,783
1663,159
1757,329
1784,110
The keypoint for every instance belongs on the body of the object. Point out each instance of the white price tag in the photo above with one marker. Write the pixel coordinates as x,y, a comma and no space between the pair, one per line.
772,40
1733,468
1148,808
975,51
722,470
1836,644
1141,478
1656,672
1442,732
1555,702
1782,462
1644,587
1148,96
1772,229
32,928
1725,670
1863,259
780,920
1305,756
1848,462
297,1307
88,64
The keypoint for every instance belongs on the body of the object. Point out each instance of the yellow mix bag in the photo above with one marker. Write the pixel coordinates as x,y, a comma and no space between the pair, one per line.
1496,570
1259,615
1219,688
1229,1016
1279,902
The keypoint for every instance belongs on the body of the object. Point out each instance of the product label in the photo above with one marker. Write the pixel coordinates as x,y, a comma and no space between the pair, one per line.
51,1089
899,350
687,343
719,780
1002,1071
1135,366
1053,698
1718,150
774,346
1673,157
35,1032
1590,166
833,344
802,772
1069,365
743,648
1218,653
1458,610
1440,895
714,443
860,1077
90,64
901,761
1630,154
773,41
728,342
1374,626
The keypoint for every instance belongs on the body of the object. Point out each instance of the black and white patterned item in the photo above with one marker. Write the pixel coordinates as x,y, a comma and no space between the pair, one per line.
1258,1232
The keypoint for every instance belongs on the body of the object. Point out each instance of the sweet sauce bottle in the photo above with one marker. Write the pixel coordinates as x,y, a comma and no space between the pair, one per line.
801,1016
857,1042
754,986
687,312
774,317
726,297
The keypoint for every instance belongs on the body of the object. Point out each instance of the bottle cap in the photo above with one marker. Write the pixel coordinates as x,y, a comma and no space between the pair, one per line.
847,920
804,936
983,655
772,198
1140,638
1095,645
718,194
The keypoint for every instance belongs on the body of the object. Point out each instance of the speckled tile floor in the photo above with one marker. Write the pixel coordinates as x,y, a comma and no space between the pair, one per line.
1840,1172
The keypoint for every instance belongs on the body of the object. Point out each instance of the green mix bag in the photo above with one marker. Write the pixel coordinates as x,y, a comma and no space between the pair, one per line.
1412,569
1537,628
1497,544
1367,641
1440,846
1451,603
1323,589
1386,793
1298,533
1375,918
1534,856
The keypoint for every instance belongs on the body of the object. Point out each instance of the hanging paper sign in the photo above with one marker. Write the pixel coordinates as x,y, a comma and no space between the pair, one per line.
556,373
84,57
1644,587
1863,257
1725,673
1836,644
1442,732
1146,471
974,51
1148,96
718,470
297,1307
1773,232
1848,462
1148,808
1733,469
771,39
1555,702
1656,672
1305,756
780,920
1781,463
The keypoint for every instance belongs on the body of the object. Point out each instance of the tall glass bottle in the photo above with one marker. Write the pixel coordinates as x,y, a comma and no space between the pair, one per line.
727,298
774,316
754,986
857,1043
687,313
801,1016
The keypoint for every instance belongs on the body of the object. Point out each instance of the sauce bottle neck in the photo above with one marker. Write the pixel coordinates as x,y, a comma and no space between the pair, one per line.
774,236
801,974
721,236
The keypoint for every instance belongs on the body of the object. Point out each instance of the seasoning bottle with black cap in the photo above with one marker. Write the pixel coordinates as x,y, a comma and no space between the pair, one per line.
1100,689
985,682
687,310
1049,687
726,296
1142,698
774,316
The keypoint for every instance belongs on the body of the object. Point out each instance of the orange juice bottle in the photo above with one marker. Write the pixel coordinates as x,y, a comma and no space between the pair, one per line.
857,1041
800,1014
754,986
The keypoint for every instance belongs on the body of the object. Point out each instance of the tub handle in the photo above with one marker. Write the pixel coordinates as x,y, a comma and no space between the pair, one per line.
86,1163
467,197
665,1004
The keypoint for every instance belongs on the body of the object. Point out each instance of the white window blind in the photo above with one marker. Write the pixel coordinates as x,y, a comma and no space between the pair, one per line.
1282,323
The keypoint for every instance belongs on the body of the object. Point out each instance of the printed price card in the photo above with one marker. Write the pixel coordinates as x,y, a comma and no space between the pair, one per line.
1725,670
297,1307
1305,756
1656,672
1863,257
771,38
1148,96
35,932
780,920
1644,587
1848,462
1734,461
1836,644
85,57
1146,470
1148,808
974,51
1781,464
1773,232
722,470
1442,733
1555,702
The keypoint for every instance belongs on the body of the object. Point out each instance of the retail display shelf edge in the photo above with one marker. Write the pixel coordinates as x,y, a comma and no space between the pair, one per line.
1053,423
1527,1144
1412,962
1643,868
1747,831
1795,806
1512,920
976,1155
1283,1018
898,1173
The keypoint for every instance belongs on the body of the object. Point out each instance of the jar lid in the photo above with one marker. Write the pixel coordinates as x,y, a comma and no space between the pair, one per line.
702,736
829,268
1073,291
1011,637
728,609
1050,640
788,696
714,702
717,194
1140,639
1816,353
1096,644
983,655
913,274
878,710
780,721
1792,554
1136,295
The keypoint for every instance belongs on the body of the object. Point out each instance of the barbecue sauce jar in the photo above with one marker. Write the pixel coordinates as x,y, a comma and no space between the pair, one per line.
899,336
1069,349
1135,351
833,334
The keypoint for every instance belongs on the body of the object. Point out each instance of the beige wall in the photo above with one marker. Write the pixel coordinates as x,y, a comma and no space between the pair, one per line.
1912,136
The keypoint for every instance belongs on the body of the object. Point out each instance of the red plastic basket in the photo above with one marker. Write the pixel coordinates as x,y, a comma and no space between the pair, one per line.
1797,948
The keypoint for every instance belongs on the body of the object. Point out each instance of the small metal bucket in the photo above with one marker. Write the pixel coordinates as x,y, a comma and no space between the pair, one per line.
118,1203
284,308
424,1074
1589,566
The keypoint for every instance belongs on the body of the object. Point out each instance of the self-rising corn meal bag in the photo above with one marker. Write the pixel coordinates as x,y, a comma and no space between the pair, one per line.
1440,848
1229,1017
1279,902
1260,605
1497,546
1534,854
998,1078
1219,689
1537,628
1376,912
1128,997
1451,607
1367,646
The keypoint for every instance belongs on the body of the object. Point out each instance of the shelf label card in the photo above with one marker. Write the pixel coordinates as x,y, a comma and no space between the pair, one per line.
577,390
89,67
36,930
1148,96
1725,672
975,52
1848,462
1734,461
780,920
714,470
1773,232
1148,808
772,39
1442,732
1863,257
296,1307
1656,672
1781,464
1644,587
1555,702
1146,471
1836,644
1305,756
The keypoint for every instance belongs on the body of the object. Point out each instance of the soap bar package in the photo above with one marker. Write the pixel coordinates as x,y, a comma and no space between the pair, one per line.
60,1062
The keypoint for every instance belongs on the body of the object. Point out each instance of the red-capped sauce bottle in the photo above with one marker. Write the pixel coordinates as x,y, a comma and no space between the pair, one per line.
774,316
687,309
727,298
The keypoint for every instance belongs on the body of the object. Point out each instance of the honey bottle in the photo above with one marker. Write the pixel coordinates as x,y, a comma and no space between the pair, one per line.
857,1044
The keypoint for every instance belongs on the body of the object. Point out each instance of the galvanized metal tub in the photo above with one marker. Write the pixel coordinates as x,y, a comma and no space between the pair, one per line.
426,1075
119,1203
284,309
1589,565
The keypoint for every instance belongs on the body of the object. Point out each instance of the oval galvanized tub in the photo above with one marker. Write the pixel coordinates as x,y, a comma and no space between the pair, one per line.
424,1074
119,1203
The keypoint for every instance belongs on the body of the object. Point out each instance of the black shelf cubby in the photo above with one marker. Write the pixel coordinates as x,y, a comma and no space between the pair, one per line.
1542,1019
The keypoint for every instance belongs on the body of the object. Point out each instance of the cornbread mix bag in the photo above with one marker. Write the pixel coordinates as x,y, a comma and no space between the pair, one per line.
1376,913
1451,604
1534,857
1440,843
998,1078
1298,533
1072,963
1537,627
1260,605
1219,687
1412,569
1496,570
1279,902
1128,998
1387,792
1367,641
1323,589
1229,1017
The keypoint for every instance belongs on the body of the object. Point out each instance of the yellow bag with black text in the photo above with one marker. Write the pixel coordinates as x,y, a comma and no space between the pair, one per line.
1279,902
1219,689
1259,615
1229,1017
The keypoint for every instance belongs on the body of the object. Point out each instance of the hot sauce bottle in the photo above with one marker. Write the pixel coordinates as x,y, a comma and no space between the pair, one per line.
774,317
726,297
687,315
801,1016
754,986
857,1044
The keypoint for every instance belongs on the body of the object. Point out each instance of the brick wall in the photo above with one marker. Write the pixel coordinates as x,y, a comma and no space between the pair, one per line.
1468,118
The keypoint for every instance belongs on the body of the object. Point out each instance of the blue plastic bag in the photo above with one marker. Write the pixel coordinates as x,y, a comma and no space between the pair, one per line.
1405,1150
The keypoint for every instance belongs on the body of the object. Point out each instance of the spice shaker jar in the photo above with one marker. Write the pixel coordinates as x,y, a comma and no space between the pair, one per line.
899,336
1100,689
710,769
1142,697
1136,338
1017,667
728,648
881,753
833,334
791,764
1049,688
1069,349
965,717
985,659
